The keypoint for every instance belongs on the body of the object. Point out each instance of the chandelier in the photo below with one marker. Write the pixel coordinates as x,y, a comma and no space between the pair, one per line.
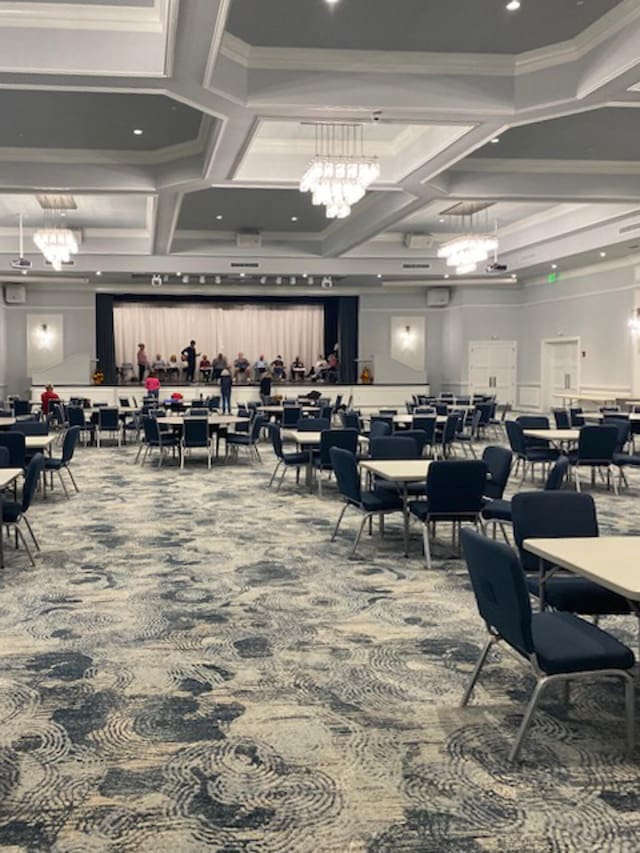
469,248
339,175
56,242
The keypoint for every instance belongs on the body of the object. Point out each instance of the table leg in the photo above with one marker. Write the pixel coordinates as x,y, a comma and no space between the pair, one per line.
405,513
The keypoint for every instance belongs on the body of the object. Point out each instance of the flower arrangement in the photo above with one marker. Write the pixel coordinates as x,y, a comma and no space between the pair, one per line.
98,378
177,396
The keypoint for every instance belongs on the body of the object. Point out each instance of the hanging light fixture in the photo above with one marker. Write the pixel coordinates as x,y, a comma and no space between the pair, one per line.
469,248
56,242
339,175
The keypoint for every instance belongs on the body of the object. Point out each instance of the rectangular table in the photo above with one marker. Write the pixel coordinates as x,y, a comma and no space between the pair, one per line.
611,561
8,475
401,472
7,423
557,437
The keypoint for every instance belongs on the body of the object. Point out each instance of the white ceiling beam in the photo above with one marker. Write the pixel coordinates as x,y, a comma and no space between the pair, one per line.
30,177
510,186
165,219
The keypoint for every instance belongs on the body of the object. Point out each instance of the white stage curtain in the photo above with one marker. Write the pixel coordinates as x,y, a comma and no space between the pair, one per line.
286,330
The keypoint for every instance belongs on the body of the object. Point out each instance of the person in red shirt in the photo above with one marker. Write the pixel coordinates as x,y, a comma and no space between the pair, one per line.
46,397
152,384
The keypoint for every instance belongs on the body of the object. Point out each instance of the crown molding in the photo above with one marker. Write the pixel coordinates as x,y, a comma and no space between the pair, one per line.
67,16
524,166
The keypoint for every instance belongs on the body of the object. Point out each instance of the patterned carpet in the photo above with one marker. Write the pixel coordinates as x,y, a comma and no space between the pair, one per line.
194,666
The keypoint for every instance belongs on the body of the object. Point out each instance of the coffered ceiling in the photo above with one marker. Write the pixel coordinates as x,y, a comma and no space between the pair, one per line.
177,126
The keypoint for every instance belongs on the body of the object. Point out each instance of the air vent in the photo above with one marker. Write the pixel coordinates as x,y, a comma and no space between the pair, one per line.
628,228
416,266
242,266
466,208
56,202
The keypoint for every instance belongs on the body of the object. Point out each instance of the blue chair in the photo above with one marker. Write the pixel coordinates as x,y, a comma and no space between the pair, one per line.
576,417
498,510
419,436
596,448
21,407
454,493
393,447
561,418
16,445
383,419
529,455
195,433
351,420
291,416
558,647
109,422
31,427
5,457
198,412
369,503
347,439
426,424
14,512
498,461
155,439
62,464
313,424
447,437
379,429
248,440
466,439
564,515
285,460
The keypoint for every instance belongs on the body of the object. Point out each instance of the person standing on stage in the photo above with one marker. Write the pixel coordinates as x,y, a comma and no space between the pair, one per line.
143,361
189,355
225,390
265,387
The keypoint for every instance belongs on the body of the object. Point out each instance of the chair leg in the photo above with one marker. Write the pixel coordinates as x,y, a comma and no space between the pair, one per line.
73,479
63,484
356,543
281,480
24,542
339,521
30,529
427,544
629,702
526,720
275,471
476,671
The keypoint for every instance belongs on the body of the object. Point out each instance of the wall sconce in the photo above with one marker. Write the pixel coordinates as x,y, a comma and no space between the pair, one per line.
407,338
634,323
44,337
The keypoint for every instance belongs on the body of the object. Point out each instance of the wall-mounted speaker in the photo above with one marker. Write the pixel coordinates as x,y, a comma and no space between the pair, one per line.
15,294
438,297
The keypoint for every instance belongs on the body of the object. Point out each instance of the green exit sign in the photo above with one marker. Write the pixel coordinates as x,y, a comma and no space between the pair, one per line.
553,276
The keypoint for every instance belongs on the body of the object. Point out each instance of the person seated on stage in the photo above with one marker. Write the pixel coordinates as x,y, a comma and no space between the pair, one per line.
277,368
47,397
174,368
159,366
152,385
259,367
297,369
205,368
240,367
319,369
331,374
220,363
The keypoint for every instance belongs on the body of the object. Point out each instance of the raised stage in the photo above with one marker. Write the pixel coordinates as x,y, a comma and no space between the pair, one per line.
364,396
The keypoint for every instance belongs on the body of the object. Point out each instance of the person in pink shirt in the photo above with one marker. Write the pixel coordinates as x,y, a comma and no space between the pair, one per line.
152,384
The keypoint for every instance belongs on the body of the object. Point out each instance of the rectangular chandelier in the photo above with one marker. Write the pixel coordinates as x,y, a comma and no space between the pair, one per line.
339,175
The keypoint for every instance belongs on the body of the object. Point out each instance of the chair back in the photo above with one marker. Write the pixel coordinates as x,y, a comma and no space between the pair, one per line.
475,423
15,444
313,424
500,590
419,436
498,461
388,412
195,432
450,429
577,419
291,414
124,401
534,422
326,412
69,444
345,468
551,515
424,410
21,407
276,440
108,418
426,425
379,429
393,447
347,439
557,474
456,487
561,418
384,419
442,409
350,420
516,438
5,457
487,411
34,470
198,412
256,426
597,444
623,426
151,429
213,402
31,427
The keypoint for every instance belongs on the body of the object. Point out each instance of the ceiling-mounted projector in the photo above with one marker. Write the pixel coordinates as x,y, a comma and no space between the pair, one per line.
21,264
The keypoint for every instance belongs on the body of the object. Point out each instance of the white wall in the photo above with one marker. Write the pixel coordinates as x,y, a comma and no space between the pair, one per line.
77,308
3,350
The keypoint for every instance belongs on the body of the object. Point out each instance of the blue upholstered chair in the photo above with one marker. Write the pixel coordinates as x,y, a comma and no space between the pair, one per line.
61,463
369,503
195,433
555,646
596,448
286,461
247,440
15,512
347,439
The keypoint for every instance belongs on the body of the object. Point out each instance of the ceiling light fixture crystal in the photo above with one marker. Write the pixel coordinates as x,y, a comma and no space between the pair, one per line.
56,242
469,248
340,174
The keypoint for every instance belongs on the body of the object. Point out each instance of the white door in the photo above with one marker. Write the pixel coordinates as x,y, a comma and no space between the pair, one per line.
561,371
492,369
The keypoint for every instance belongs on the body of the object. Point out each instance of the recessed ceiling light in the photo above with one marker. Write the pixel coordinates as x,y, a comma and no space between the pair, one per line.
603,254
495,140
241,275
24,272
446,275
178,274
379,275
514,276
441,219
137,131
554,266
304,275
98,272
294,218
513,6
331,2
219,217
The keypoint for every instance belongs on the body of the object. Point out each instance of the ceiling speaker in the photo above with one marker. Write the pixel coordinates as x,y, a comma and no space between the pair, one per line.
248,239
15,294
438,297
418,241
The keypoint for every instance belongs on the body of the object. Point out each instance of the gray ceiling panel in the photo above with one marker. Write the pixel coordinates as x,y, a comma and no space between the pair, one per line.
468,26
254,209
94,120
607,134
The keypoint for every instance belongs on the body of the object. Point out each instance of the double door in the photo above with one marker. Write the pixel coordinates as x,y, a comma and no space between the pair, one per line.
492,369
